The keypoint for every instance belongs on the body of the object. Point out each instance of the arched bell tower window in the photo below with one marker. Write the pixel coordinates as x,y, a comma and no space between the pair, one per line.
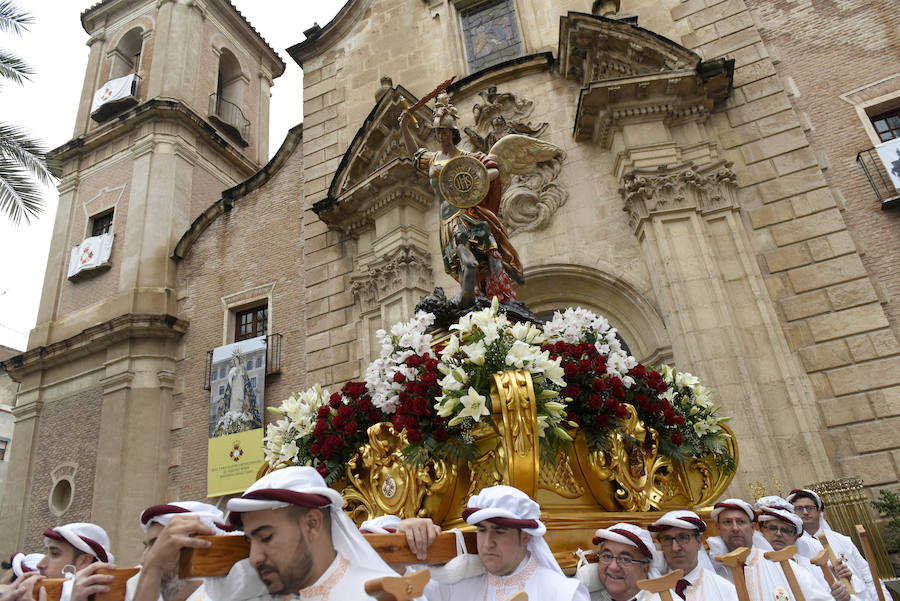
226,102
126,58
122,89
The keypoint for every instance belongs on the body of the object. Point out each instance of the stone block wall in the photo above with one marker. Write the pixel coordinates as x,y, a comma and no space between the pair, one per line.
832,315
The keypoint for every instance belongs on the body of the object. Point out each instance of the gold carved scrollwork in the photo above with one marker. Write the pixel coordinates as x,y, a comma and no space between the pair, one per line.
512,399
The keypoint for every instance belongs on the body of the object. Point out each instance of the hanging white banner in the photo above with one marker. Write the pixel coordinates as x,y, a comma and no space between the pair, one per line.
91,253
114,89
889,153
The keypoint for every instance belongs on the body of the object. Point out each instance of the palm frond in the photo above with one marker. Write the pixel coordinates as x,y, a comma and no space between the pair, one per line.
22,167
14,68
12,19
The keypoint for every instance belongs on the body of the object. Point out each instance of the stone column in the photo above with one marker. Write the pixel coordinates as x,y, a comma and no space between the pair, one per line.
722,325
18,478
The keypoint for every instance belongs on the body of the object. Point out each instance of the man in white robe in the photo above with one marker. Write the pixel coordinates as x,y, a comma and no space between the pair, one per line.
679,534
765,579
626,554
512,552
781,527
809,506
160,581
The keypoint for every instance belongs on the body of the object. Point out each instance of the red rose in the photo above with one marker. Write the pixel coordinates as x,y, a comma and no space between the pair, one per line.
420,405
314,448
642,401
413,436
351,428
676,438
335,441
669,417
345,412
431,364
429,379
595,402
570,368
322,469
354,389
561,347
320,429
441,435
600,363
335,400
364,404
411,422
621,411
399,378
611,404
571,391
599,384
338,422
324,411
398,421
639,372
440,348
679,420
584,365
410,387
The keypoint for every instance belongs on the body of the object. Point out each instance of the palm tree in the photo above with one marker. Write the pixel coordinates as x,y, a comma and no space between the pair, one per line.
23,163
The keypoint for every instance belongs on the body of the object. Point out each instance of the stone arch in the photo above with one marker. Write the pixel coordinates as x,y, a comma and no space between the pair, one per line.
126,54
555,286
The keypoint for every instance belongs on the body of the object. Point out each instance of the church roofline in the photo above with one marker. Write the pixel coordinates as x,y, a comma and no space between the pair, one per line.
111,5
226,202
318,40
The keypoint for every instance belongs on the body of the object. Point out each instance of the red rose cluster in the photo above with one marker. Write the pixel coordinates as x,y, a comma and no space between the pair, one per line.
599,399
415,409
341,426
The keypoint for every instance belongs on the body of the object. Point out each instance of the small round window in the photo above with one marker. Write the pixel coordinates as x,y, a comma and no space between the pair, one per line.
61,496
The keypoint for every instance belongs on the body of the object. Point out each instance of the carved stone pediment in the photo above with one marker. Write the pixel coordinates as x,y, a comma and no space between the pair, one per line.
376,170
405,268
630,74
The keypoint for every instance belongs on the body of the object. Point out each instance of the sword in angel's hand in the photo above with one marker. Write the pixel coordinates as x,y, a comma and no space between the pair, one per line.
410,110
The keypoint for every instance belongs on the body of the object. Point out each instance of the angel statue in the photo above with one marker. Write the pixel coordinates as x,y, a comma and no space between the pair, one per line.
475,246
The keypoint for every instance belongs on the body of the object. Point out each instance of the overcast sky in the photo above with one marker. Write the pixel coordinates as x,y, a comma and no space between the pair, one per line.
55,46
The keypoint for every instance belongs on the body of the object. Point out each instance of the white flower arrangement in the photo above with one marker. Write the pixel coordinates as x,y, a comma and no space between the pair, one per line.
232,423
704,432
485,342
404,340
287,440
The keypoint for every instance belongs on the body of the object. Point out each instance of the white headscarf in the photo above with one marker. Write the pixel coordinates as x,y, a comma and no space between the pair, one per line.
210,515
22,564
383,524
87,538
629,534
304,487
512,508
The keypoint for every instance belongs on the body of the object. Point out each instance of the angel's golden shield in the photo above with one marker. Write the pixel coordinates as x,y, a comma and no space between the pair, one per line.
464,181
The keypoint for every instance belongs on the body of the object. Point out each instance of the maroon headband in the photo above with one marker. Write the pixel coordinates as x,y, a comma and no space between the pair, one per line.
630,536
820,504
158,510
733,506
697,522
503,522
97,548
777,516
301,499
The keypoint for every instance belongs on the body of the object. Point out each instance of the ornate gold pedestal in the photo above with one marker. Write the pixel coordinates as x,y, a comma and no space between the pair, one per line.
578,492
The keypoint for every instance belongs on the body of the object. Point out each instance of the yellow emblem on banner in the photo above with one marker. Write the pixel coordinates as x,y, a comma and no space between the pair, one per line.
233,462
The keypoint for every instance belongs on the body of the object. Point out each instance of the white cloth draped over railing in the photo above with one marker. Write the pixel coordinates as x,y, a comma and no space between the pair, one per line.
114,89
91,253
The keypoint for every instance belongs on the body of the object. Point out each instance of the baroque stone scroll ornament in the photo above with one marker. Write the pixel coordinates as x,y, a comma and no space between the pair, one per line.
531,198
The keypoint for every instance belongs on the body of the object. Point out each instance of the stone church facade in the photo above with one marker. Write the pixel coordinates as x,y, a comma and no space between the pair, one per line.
707,200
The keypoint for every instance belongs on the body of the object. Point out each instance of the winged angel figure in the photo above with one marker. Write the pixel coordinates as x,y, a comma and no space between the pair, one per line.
475,245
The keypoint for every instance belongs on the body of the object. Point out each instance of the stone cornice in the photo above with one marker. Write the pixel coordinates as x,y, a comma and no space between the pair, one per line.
683,187
90,340
319,40
406,267
155,108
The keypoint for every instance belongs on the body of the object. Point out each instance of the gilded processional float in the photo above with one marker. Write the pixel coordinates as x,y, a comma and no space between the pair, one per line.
475,390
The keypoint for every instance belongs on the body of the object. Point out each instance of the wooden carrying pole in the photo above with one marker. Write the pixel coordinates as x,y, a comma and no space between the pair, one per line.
834,560
401,588
735,562
225,551
662,585
784,557
870,559
821,560
116,591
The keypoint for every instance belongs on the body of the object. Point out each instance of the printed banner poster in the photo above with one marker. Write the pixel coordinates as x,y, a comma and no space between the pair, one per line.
236,400
889,153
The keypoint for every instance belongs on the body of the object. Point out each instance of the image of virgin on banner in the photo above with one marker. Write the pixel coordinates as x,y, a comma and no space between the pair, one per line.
237,387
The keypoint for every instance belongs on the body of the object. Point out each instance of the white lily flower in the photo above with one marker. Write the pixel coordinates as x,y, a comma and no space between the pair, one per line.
475,352
473,406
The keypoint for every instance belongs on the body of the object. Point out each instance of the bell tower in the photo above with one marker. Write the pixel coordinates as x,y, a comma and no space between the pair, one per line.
174,109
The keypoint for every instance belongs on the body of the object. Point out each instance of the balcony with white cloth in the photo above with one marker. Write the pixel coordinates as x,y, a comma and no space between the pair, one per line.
91,255
115,96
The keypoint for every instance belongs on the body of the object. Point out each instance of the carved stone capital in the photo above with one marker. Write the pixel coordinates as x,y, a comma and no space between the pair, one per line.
407,267
678,188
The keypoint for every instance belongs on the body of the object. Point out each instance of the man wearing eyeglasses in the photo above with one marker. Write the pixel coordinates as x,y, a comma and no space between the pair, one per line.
625,556
809,506
679,535
765,579
782,528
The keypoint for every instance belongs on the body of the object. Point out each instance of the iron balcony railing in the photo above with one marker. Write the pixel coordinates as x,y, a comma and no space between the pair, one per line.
230,115
273,360
879,178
